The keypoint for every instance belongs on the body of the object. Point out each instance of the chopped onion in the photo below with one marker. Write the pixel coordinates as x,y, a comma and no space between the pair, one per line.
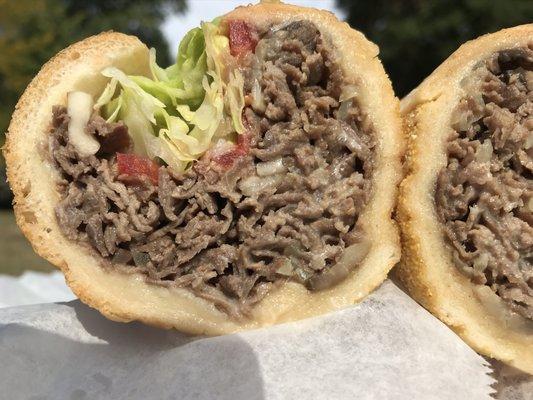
459,120
79,109
328,278
270,167
462,119
498,309
286,269
346,100
349,138
481,262
258,101
221,147
530,204
342,113
355,253
465,115
352,256
529,141
484,152
253,185
472,81
302,274
348,92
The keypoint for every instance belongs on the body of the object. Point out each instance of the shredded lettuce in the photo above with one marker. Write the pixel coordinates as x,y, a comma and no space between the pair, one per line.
216,47
139,126
177,113
107,94
205,120
147,103
181,83
235,97
113,108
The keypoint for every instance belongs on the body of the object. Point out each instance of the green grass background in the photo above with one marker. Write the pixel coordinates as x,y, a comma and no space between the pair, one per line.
16,253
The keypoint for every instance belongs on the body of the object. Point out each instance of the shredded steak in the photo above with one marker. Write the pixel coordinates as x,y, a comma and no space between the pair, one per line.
485,193
282,204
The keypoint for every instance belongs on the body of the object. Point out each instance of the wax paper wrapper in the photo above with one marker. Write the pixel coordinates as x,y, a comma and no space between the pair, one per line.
512,384
387,347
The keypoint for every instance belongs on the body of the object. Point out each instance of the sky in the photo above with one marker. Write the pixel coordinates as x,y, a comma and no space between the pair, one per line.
176,26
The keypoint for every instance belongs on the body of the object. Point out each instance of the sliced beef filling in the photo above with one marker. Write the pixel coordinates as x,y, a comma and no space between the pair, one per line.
281,204
485,193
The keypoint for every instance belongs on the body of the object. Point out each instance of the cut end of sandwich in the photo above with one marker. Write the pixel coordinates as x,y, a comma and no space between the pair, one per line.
250,183
464,205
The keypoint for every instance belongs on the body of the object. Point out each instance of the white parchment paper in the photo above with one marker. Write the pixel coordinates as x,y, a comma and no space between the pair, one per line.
512,384
387,347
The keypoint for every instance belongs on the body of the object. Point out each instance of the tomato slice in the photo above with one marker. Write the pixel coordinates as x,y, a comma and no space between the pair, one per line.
132,168
238,150
242,38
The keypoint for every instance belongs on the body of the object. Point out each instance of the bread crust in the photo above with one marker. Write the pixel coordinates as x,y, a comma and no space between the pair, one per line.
122,297
477,314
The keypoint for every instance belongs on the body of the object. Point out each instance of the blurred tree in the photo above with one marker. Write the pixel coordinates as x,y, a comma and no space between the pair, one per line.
415,36
32,31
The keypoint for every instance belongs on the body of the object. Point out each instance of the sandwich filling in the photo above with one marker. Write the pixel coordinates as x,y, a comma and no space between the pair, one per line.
484,195
269,193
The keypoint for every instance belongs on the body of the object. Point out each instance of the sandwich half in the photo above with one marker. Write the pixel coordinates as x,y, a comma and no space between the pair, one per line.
466,205
250,183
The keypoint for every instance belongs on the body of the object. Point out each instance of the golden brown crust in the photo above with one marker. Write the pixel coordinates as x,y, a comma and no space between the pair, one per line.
473,311
127,297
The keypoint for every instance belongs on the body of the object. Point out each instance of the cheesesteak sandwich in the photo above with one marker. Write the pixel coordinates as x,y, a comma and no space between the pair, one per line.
250,183
466,205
